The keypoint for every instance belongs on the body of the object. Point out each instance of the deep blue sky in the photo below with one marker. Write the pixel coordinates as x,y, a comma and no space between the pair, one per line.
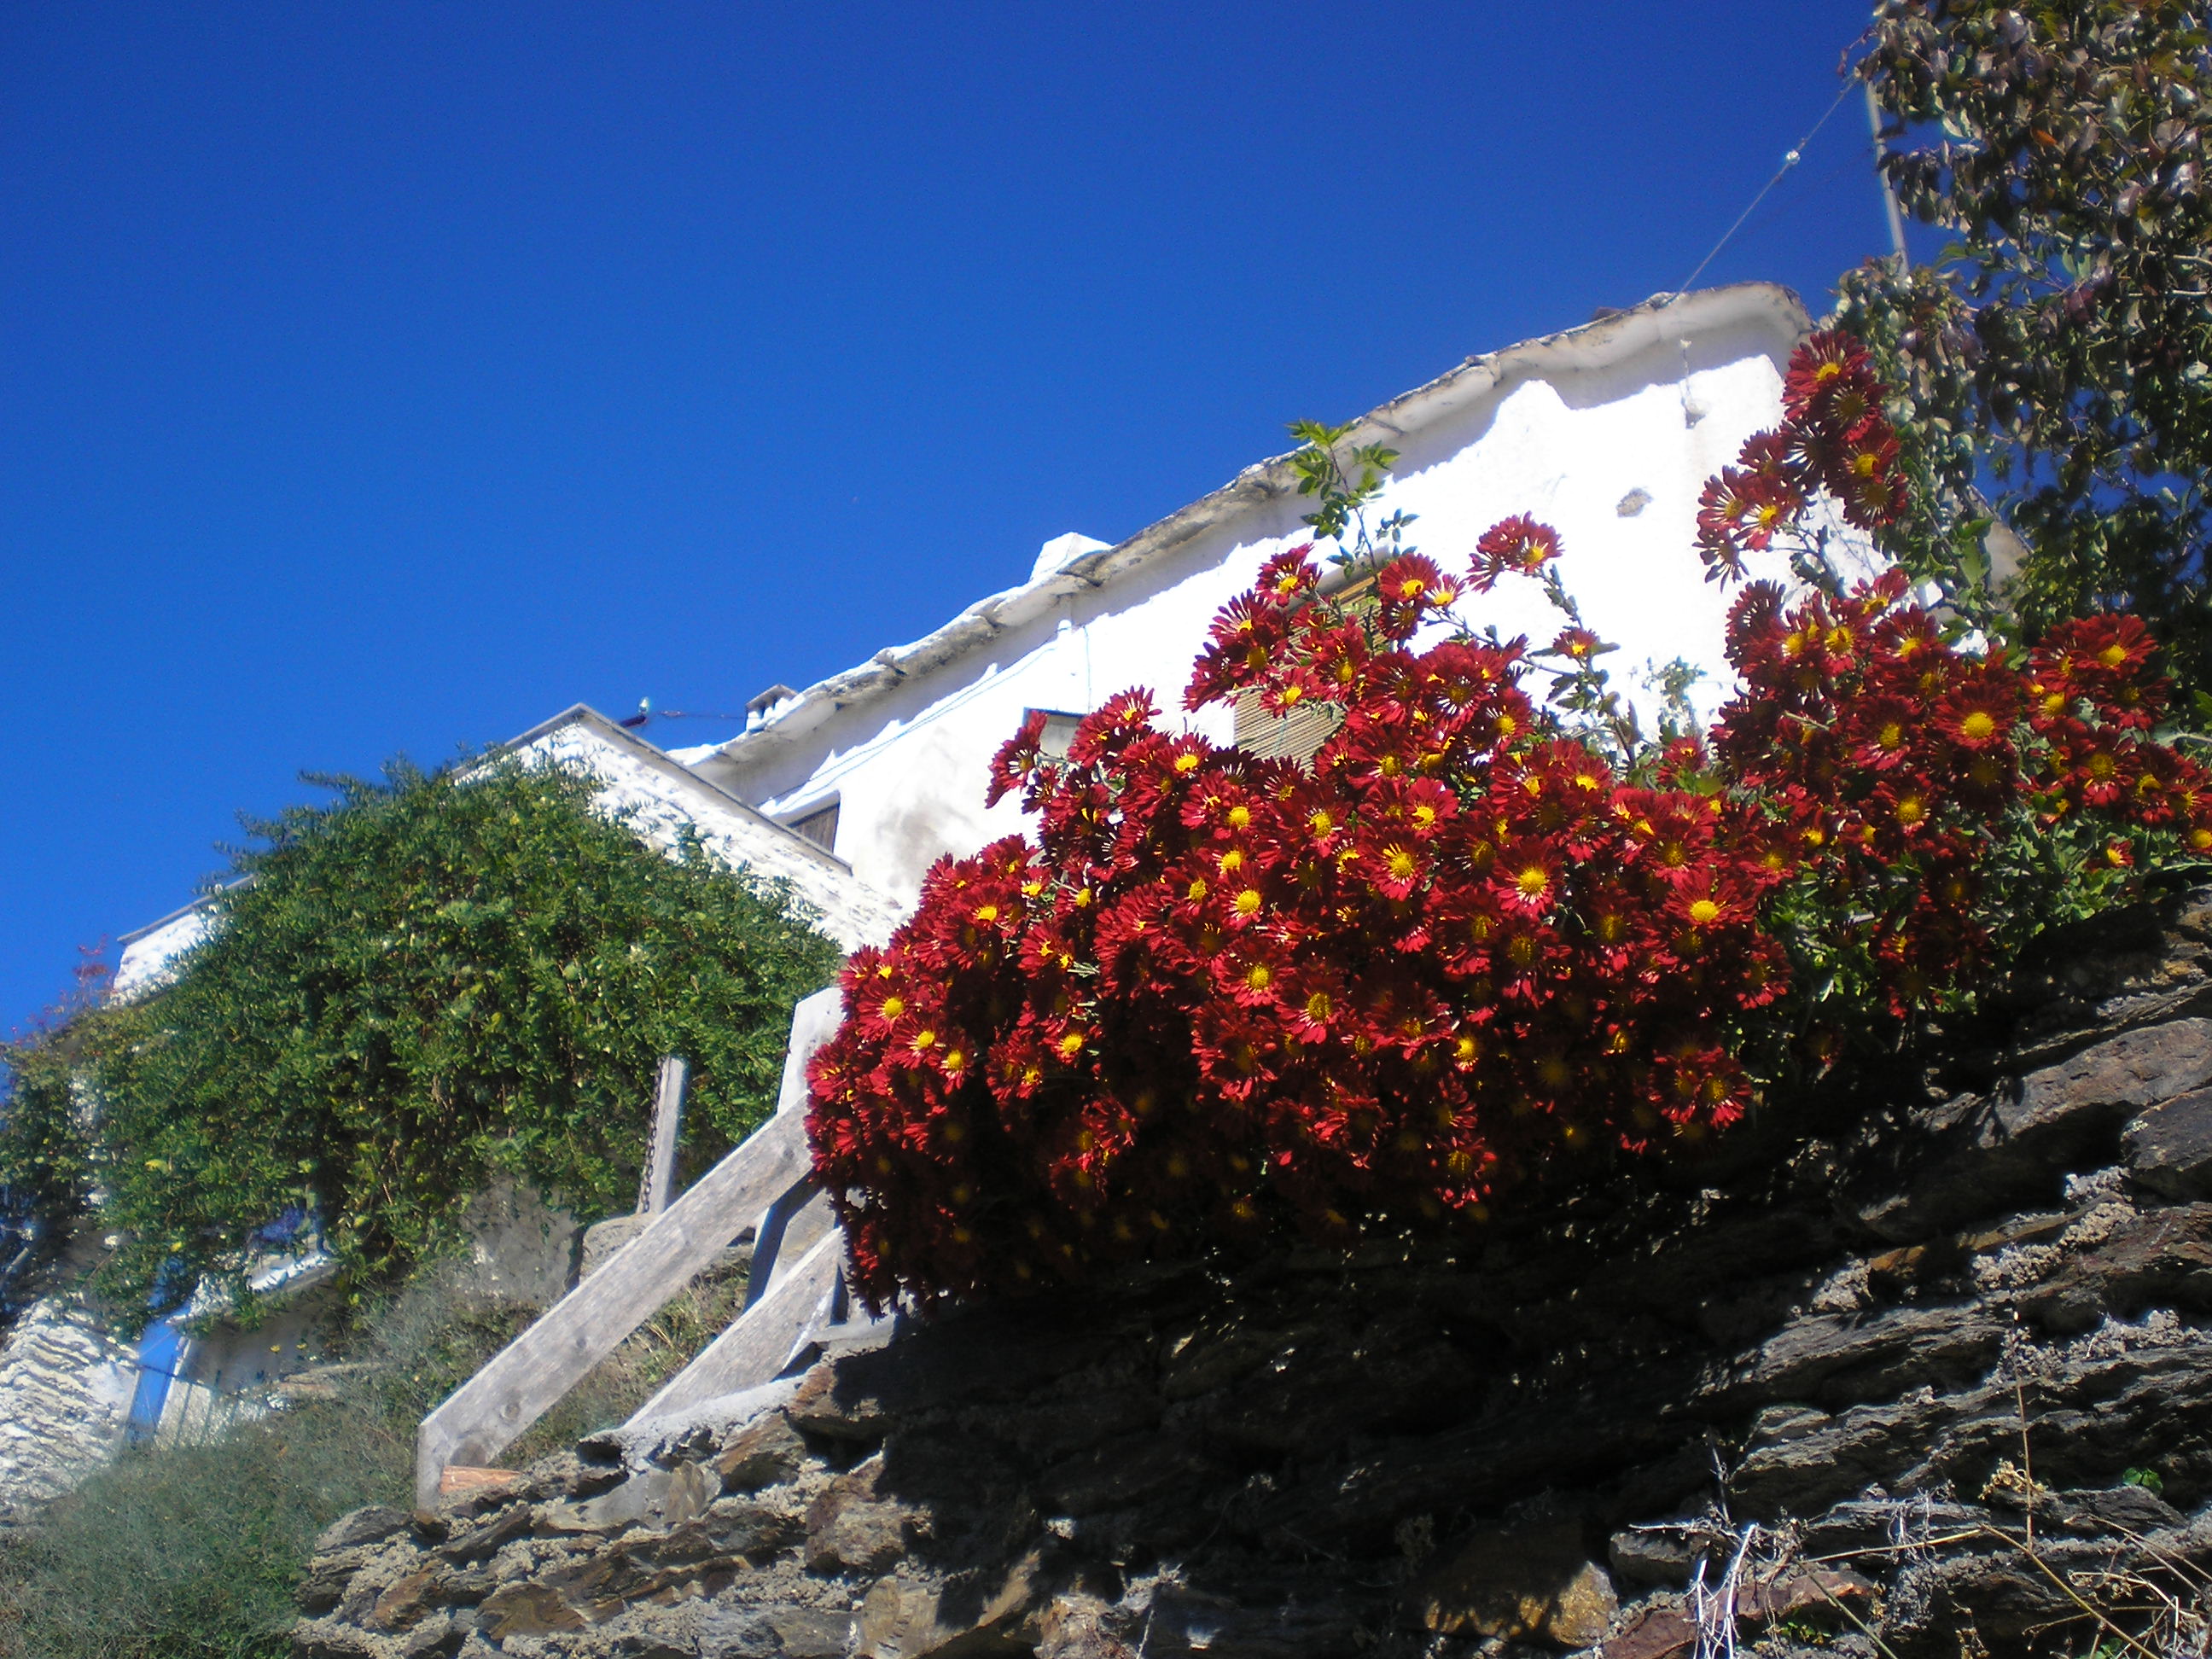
388,378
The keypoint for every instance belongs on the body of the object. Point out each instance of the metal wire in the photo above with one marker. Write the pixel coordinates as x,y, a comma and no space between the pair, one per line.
1797,154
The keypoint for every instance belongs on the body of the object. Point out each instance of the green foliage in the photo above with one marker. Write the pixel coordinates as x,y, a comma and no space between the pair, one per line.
2052,368
423,984
45,1151
1345,482
2149,1480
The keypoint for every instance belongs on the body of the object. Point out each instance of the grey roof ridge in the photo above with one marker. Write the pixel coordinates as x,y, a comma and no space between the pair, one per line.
1590,345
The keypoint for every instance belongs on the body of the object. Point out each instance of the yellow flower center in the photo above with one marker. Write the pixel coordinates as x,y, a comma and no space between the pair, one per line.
1401,863
893,1007
1259,976
1186,762
987,913
1912,809
1425,815
1070,1045
1705,911
1532,881
2112,655
1247,901
1197,890
1240,817
1978,726
1321,824
1890,736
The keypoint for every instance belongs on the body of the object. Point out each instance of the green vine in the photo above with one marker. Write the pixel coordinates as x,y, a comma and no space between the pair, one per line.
424,984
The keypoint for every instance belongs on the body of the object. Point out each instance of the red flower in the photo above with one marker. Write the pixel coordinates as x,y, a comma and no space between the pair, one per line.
1517,545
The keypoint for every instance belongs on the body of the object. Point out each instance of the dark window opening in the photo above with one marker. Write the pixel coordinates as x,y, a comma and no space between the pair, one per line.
819,826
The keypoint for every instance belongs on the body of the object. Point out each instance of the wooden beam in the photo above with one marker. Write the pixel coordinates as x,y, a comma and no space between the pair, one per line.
485,1414
764,1339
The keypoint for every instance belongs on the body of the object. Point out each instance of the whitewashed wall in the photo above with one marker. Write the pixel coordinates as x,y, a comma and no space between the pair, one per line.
1606,432
658,798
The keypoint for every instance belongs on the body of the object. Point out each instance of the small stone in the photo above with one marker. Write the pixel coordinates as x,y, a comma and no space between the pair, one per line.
1073,1627
2112,1507
821,1405
736,1527
603,1239
1655,1632
487,1539
1660,1558
1520,1582
400,1607
2169,1147
761,1455
526,1610
326,1638
1799,1589
629,1503
439,1637
903,1619
691,1488
809,1633
459,1485
363,1526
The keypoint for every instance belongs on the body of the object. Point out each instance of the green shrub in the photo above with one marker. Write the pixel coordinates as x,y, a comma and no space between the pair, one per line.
193,1553
424,984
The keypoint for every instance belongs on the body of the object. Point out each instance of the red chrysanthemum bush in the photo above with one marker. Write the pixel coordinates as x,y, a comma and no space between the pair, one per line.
1219,994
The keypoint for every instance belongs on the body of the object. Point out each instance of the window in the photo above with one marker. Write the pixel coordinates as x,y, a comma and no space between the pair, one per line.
818,826
1298,735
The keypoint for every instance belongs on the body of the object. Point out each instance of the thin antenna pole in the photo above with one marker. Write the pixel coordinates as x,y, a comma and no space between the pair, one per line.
1889,195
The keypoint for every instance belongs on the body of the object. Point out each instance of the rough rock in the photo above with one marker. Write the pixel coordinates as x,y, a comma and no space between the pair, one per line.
2169,1147
1520,1582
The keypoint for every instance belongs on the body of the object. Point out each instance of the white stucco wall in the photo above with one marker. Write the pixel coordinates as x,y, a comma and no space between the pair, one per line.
147,954
1568,428
658,798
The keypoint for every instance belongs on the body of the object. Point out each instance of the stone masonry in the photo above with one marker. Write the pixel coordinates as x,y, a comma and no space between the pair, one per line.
1923,1358
66,1387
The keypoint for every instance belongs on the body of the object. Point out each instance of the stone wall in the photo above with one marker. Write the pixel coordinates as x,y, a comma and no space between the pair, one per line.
65,1388
1924,1358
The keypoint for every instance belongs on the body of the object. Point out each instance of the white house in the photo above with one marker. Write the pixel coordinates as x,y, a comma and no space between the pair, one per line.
1606,432
849,790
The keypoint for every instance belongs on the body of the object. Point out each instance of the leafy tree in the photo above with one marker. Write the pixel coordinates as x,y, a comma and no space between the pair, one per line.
2053,366
423,984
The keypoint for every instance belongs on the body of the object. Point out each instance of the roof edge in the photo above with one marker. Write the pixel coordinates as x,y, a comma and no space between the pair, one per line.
583,714
1592,344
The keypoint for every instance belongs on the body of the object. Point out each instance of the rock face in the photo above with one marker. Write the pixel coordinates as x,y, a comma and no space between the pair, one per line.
1921,1358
